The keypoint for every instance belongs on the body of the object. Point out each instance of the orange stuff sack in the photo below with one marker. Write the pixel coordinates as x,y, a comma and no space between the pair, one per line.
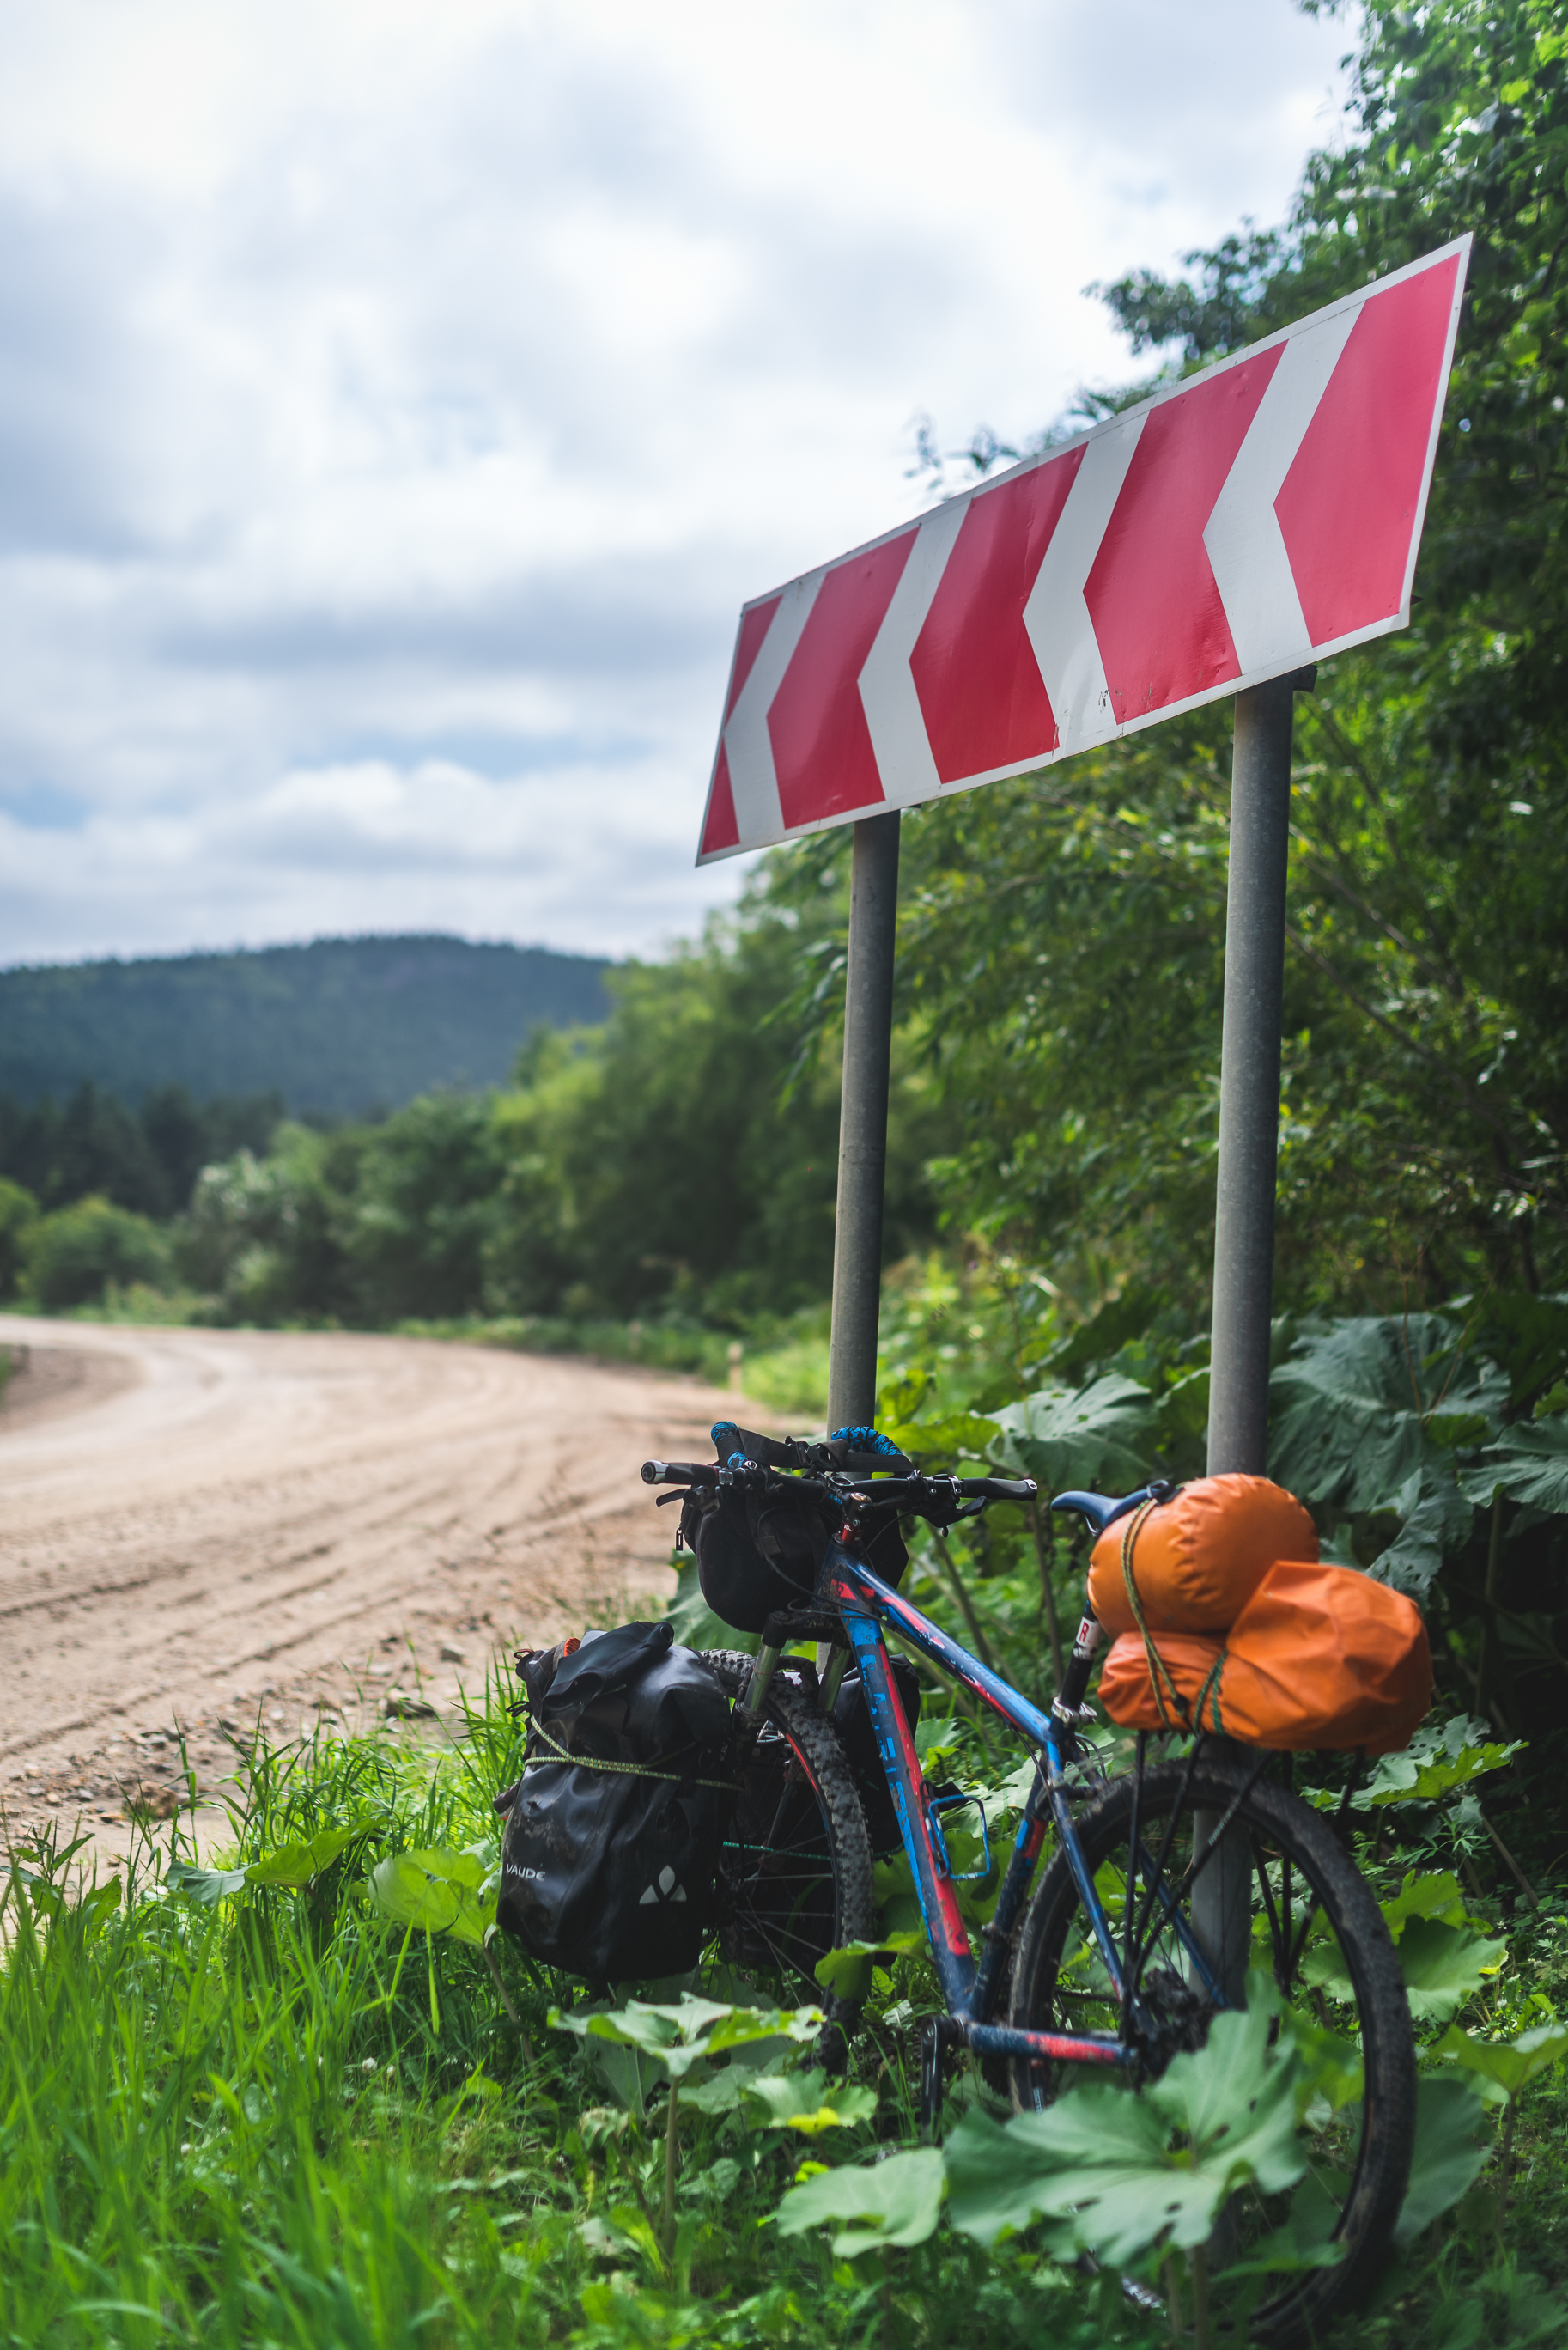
1319,1656
1198,1557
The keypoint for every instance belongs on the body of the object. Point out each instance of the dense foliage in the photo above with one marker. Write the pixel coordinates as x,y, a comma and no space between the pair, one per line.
643,1168
341,1027
146,1158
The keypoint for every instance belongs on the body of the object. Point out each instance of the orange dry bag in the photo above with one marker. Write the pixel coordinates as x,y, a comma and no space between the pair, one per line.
1197,1559
1319,1656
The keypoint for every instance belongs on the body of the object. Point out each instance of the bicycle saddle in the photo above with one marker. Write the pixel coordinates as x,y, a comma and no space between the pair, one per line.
1102,1509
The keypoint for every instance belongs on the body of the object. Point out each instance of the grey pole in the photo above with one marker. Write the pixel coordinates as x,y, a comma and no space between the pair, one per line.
1250,1077
1244,1209
863,1122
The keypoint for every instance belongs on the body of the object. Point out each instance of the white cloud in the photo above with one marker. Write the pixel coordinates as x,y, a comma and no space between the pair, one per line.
396,405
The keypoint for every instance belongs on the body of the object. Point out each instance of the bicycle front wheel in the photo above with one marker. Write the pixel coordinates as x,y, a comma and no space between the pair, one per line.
1298,1908
795,1870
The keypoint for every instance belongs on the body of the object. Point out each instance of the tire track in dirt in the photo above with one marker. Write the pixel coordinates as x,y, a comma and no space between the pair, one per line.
199,1526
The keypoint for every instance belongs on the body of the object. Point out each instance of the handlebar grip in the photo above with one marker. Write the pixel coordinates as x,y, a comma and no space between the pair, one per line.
679,1472
998,1488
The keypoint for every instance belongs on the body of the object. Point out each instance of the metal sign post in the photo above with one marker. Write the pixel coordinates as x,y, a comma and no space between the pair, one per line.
1250,1077
1244,1208
863,1122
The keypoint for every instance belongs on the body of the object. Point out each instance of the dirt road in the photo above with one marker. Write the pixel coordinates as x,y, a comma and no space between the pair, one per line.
196,1525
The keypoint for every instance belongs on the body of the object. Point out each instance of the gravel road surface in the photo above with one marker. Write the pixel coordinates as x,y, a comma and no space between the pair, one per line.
200,1527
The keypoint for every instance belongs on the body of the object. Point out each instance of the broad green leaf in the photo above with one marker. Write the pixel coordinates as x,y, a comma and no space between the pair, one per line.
1099,1436
955,1435
847,2110
1438,1521
721,2092
1529,1463
1011,1794
1528,1335
847,1969
1448,2157
895,2202
1443,1965
935,1737
1183,1409
1110,2163
1306,2241
742,2025
297,1866
724,2089
1425,1894
780,2094
808,2102
1444,1960
687,2034
1432,1765
1512,2064
1352,1402
205,1887
435,1892
1332,2073
902,1397
992,2193
1236,2094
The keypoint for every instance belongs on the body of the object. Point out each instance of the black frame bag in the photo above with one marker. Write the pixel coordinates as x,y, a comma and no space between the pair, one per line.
611,1853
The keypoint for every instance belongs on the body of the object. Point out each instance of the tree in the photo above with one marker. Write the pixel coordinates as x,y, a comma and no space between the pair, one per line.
1061,941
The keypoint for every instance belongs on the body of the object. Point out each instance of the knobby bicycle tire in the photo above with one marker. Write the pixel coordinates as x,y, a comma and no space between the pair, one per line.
794,1872
1298,1875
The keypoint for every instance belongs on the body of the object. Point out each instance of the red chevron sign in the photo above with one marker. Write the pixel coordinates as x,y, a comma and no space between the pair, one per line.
1251,518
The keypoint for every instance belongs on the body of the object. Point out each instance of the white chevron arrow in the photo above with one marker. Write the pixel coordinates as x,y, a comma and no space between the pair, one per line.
1246,546
1056,616
754,780
887,693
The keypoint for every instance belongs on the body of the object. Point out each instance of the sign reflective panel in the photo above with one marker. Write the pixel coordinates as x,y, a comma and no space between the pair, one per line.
1254,517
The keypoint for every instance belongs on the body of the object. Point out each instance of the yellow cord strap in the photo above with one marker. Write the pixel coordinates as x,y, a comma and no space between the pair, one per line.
622,1770
1159,1673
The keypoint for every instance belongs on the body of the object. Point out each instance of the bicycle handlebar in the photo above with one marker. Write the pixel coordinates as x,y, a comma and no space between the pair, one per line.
905,1492
965,1489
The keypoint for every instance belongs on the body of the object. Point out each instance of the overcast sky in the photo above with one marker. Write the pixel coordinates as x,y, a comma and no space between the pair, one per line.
397,401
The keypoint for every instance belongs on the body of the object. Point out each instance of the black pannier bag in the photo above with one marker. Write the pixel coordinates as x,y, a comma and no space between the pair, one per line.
610,1855
758,1554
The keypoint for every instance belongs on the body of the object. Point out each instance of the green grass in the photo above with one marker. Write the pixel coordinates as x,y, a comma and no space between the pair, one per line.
273,2122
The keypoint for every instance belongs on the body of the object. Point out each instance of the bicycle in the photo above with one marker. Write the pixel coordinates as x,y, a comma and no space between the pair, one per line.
1103,1964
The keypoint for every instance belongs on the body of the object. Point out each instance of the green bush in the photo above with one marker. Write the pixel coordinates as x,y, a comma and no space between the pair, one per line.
18,1215
69,1258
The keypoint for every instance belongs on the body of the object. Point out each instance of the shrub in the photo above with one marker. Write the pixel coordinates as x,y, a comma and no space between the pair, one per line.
18,1215
70,1257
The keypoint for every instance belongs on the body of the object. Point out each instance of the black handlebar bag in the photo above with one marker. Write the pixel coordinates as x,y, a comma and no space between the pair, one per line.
610,1855
757,1555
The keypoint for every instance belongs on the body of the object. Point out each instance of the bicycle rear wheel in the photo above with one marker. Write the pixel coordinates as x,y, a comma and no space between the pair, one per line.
1305,1914
795,1871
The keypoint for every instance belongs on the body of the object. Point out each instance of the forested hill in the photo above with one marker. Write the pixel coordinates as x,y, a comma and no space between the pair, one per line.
337,1027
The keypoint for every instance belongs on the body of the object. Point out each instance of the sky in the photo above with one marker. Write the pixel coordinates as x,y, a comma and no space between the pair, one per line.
397,401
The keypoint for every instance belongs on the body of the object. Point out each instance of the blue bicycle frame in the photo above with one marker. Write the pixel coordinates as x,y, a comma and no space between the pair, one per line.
970,1986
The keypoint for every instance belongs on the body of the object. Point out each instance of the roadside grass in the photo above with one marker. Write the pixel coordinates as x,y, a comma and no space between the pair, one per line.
781,1362
264,2118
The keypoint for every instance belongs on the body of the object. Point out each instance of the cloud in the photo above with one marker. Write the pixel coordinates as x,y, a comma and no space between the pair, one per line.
397,404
